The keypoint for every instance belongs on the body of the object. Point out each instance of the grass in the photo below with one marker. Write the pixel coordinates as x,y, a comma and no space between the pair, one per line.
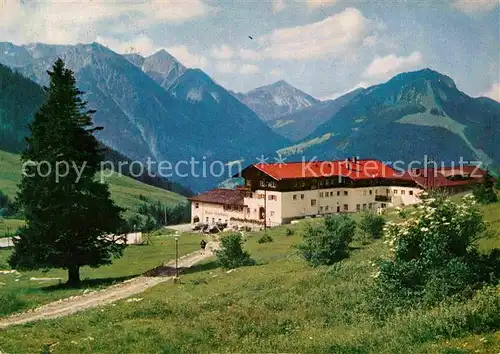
9,226
279,305
20,293
125,191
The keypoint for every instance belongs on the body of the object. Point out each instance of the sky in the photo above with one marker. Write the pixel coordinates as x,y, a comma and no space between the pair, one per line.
323,47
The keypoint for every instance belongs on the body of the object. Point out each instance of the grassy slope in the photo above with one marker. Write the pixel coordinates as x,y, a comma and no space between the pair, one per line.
24,293
280,305
124,190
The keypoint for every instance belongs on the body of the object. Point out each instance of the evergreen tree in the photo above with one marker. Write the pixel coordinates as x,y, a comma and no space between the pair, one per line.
67,214
485,192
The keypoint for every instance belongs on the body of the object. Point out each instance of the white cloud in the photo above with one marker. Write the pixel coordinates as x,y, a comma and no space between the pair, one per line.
494,92
224,52
276,72
278,5
249,54
313,4
385,67
81,20
225,67
334,36
249,69
189,59
475,6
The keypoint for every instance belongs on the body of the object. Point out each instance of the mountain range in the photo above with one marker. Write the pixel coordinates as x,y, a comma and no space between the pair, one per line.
300,123
155,107
276,100
412,115
166,116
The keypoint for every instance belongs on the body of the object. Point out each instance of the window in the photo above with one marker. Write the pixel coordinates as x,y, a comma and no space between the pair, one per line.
346,193
262,183
213,220
371,192
313,202
295,197
321,194
302,183
321,183
272,197
403,191
331,194
320,209
326,208
358,207
411,192
327,182
370,206
207,219
302,196
272,213
395,191
261,196
364,206
272,184
346,207
338,193
364,192
197,205
376,192
387,191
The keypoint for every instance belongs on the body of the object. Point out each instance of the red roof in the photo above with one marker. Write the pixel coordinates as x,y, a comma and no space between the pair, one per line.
369,169
221,196
359,170
442,177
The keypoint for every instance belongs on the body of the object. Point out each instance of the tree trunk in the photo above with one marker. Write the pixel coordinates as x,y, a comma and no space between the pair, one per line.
74,275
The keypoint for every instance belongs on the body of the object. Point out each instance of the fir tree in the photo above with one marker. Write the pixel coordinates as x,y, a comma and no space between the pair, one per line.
67,215
485,192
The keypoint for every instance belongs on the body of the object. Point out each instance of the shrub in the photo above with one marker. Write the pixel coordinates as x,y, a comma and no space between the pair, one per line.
231,254
327,244
433,256
485,192
372,225
289,232
265,238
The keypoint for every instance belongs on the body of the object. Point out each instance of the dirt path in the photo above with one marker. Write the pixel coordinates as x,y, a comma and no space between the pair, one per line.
71,305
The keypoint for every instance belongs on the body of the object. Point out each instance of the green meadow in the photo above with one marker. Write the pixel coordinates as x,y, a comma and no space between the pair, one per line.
125,191
279,305
19,293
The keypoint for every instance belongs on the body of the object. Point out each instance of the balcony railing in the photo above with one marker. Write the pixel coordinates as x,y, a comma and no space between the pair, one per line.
383,198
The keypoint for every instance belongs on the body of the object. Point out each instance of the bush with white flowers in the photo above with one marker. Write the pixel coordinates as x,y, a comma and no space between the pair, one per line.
433,255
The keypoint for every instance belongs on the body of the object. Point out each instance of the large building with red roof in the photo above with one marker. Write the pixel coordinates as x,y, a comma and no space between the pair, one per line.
274,194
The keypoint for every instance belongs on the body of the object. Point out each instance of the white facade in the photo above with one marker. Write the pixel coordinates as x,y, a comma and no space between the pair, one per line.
282,207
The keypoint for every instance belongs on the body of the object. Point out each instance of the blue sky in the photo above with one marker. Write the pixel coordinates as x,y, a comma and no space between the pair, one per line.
324,47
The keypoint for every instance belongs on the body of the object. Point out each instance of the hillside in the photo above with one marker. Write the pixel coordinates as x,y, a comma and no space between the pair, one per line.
19,100
125,191
412,115
276,100
141,119
280,305
299,124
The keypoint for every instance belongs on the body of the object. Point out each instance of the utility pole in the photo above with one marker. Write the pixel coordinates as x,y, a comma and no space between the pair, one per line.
265,206
176,279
